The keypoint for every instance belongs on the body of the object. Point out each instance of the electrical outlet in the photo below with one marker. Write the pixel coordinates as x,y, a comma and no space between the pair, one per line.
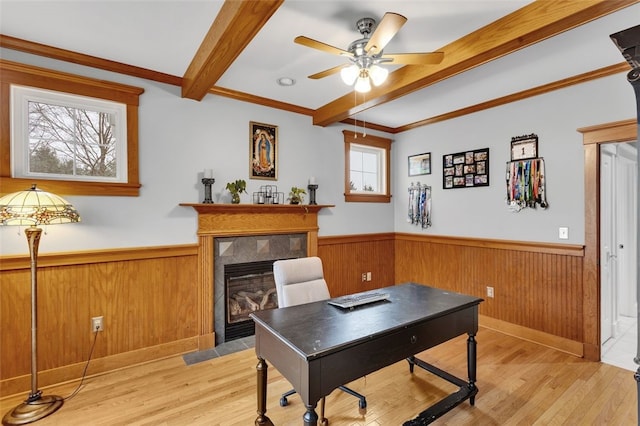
489,291
364,276
563,233
368,276
97,324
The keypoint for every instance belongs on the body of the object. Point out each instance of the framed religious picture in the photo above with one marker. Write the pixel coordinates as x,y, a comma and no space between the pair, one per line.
524,147
420,164
263,151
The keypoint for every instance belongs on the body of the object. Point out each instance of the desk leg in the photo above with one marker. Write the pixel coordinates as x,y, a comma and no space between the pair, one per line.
261,370
310,418
471,366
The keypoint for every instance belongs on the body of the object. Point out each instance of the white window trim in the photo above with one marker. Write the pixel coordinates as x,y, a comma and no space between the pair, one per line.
381,171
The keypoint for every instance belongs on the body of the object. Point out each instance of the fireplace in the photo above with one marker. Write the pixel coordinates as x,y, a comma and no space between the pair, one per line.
243,275
249,287
223,233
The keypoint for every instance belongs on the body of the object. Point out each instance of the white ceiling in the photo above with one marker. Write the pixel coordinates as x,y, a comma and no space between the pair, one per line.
164,35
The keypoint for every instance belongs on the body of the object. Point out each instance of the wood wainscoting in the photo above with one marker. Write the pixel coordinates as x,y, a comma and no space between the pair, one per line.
147,296
537,286
151,298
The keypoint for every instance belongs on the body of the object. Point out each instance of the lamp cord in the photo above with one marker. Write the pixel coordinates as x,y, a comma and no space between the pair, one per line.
84,372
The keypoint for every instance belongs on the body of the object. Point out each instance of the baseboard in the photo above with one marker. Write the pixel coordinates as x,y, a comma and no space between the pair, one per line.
98,366
560,343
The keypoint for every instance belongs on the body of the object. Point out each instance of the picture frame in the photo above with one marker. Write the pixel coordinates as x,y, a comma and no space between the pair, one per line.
524,147
420,164
465,169
263,151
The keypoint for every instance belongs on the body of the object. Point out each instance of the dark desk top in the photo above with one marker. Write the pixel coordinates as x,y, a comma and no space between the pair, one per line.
318,329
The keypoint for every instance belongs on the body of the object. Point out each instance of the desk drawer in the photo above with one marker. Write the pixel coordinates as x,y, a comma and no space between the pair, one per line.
354,362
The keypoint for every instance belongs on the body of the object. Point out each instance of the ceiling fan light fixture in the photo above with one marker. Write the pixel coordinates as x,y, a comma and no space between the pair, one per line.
349,74
378,74
362,84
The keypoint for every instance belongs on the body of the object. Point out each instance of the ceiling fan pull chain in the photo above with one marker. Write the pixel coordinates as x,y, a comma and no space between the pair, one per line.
355,117
364,120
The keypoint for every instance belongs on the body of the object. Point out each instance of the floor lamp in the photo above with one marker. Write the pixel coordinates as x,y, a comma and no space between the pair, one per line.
34,207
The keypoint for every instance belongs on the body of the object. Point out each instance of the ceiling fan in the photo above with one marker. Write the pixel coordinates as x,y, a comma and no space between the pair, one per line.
366,53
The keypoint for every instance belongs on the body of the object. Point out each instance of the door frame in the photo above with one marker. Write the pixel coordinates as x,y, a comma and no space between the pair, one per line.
592,138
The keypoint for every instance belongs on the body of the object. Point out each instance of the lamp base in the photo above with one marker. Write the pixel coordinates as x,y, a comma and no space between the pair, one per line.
33,410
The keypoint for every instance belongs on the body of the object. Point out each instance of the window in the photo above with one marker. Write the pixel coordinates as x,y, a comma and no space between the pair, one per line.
68,134
59,136
367,168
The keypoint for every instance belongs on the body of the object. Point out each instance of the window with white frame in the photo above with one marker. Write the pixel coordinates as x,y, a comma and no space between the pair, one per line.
367,168
64,136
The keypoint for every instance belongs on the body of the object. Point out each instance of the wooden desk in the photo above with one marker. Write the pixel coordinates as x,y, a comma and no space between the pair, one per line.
318,347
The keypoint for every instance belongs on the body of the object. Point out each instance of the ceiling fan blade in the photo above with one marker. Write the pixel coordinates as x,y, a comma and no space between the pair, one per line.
314,44
386,29
431,58
328,72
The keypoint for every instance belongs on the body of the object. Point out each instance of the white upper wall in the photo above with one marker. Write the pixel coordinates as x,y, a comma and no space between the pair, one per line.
178,139
482,212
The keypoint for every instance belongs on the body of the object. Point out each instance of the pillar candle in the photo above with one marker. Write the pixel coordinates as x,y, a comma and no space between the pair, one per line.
208,173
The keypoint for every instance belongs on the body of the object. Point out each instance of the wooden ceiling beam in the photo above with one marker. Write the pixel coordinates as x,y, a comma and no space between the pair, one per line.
234,27
526,26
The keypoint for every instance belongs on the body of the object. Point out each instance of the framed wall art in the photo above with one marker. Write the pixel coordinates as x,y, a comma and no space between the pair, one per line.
263,151
420,164
465,169
524,147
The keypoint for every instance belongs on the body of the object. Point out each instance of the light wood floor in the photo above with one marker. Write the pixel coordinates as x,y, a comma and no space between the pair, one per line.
520,383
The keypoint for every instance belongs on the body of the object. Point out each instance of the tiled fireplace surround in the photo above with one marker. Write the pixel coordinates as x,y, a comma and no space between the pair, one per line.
282,230
245,249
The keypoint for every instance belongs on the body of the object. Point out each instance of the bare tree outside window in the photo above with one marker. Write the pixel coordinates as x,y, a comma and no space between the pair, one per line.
71,141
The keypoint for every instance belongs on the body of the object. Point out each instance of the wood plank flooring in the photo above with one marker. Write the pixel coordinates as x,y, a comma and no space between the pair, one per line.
520,383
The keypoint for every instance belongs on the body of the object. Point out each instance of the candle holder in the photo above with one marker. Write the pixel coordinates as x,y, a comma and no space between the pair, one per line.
312,194
207,190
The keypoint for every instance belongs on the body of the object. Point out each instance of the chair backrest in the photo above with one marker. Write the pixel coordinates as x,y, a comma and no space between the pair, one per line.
299,281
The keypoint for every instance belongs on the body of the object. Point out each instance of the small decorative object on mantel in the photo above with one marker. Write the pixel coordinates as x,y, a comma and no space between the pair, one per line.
207,181
236,188
419,205
526,184
465,169
268,194
524,147
296,195
312,187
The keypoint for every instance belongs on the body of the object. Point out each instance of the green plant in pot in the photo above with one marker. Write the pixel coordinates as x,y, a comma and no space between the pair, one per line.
296,195
236,188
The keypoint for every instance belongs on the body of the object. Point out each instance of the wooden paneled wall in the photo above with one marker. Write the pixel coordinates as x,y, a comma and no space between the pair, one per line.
537,286
346,258
149,297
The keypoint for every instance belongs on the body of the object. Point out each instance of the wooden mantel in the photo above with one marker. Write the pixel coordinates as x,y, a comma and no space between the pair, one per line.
225,220
256,219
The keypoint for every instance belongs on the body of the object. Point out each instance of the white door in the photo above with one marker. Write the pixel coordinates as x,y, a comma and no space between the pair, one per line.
607,236
627,235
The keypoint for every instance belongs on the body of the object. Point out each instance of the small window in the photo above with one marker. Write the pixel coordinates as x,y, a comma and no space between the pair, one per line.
69,134
69,137
367,168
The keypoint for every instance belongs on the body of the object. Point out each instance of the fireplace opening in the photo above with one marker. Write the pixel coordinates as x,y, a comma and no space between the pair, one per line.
249,287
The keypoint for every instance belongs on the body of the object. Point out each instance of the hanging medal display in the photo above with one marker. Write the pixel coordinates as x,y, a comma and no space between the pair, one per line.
419,211
526,184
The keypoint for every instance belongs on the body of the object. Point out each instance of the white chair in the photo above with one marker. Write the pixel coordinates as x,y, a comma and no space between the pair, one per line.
301,281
